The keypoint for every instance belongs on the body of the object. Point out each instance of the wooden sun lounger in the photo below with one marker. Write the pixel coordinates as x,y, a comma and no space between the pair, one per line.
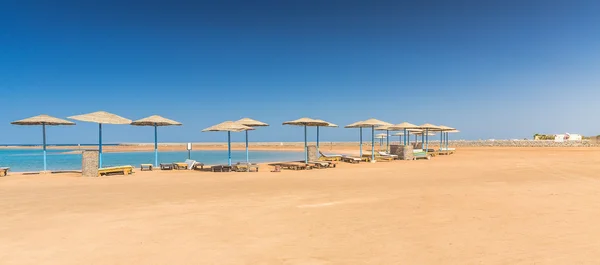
4,171
293,166
379,158
146,167
180,165
220,168
243,167
422,155
325,157
394,157
164,166
121,170
322,164
351,159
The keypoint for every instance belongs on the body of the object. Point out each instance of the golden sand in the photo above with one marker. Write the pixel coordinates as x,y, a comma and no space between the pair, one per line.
479,206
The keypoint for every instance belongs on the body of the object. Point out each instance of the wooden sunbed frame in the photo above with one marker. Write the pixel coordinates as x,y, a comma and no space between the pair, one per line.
220,168
166,166
322,164
325,157
121,170
148,167
352,159
243,167
378,158
293,166
180,166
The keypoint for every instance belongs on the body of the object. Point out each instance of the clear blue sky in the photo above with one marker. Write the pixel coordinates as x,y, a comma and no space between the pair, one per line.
493,69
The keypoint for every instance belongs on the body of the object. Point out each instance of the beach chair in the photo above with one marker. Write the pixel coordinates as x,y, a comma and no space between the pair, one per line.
244,167
4,171
120,170
220,168
325,157
164,166
378,158
180,166
394,157
292,166
194,165
420,154
321,164
352,159
146,167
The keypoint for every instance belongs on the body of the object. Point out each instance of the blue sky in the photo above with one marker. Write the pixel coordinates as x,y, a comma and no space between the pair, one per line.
499,69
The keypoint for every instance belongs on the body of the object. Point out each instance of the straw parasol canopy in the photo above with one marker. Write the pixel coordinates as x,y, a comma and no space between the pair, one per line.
101,117
429,126
307,122
369,123
445,128
385,128
251,122
228,126
42,120
329,124
402,126
353,125
155,120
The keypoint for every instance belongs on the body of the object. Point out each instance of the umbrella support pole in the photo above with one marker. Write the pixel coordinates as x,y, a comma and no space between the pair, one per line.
305,147
247,155
360,142
372,144
317,141
100,145
387,141
155,145
44,134
229,148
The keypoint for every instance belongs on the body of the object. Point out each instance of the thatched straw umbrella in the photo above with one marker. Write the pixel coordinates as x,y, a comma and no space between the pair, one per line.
406,127
306,122
369,123
427,127
250,123
43,120
155,121
329,124
101,117
228,126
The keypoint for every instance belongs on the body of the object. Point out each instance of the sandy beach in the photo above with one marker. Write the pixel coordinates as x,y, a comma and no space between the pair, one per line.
479,206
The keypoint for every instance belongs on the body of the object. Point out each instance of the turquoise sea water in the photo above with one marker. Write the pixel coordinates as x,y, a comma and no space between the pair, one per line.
22,160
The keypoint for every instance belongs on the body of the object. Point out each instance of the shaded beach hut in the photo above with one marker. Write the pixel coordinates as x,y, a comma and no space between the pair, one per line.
428,127
43,120
155,121
306,122
329,124
101,117
406,128
372,123
250,123
228,126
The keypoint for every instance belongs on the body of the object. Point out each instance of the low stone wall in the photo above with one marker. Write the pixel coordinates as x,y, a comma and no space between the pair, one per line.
518,143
